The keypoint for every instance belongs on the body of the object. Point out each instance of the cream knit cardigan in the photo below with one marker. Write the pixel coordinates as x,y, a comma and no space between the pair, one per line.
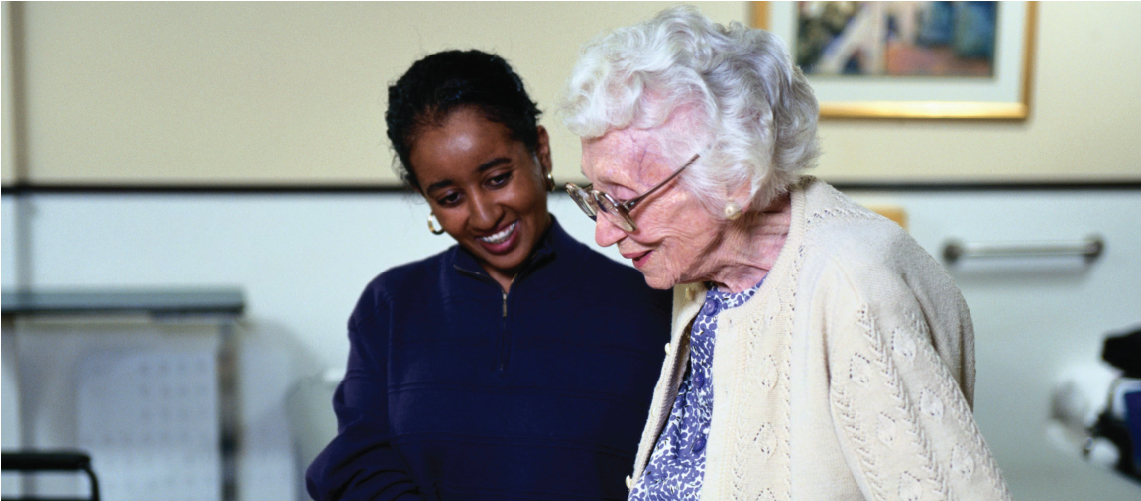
848,375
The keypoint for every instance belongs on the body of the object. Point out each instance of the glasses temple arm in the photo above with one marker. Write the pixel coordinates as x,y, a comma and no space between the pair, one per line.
629,205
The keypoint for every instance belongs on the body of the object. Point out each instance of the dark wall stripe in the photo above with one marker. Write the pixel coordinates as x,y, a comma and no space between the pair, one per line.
991,186
234,189
240,189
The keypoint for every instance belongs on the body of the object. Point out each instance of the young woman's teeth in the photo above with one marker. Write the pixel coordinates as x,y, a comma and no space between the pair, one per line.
500,237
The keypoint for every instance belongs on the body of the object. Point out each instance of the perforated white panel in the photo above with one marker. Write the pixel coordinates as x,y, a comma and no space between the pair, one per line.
150,422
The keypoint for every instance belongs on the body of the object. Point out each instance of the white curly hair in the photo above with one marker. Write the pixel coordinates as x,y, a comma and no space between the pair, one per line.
758,112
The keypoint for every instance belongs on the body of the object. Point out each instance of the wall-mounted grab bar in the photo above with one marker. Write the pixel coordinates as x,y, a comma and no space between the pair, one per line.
1089,249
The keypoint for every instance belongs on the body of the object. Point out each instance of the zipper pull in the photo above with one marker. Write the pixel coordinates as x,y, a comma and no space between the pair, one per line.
504,305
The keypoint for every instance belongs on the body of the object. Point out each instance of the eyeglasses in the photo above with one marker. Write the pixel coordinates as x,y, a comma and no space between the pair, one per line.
593,201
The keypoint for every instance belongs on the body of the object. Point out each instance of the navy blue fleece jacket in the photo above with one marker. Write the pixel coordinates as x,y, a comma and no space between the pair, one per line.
457,391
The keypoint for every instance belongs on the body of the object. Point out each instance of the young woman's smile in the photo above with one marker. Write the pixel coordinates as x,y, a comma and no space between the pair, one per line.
486,189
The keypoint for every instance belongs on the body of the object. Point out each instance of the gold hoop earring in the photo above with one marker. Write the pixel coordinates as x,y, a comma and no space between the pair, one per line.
550,182
432,222
732,211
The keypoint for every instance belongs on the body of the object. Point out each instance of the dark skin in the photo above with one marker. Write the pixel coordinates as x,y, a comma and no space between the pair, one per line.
487,190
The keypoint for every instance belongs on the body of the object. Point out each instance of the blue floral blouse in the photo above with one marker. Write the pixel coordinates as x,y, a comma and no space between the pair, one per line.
677,465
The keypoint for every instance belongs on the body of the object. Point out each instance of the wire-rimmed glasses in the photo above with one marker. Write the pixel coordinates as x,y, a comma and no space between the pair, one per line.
593,201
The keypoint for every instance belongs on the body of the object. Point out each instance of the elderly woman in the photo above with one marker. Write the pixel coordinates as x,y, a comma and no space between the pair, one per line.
817,351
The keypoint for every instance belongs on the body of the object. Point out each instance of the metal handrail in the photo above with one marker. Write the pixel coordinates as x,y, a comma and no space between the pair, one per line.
1089,249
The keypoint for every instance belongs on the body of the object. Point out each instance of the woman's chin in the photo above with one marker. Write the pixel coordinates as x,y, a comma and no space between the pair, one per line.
658,281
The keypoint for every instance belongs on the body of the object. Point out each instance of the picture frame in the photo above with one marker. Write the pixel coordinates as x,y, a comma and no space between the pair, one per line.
1003,96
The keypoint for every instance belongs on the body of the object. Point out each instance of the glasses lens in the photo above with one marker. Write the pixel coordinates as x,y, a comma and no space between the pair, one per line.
614,213
582,198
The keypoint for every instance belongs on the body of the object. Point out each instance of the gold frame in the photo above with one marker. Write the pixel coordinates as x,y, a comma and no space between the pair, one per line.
1019,110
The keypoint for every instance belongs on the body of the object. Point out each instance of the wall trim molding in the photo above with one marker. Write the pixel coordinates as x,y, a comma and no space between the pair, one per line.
357,189
209,189
1082,185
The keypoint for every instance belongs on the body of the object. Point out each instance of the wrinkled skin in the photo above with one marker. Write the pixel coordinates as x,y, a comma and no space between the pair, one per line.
677,240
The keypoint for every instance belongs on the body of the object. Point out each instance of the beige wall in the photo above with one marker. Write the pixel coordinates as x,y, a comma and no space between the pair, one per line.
7,143
294,92
1085,115
269,92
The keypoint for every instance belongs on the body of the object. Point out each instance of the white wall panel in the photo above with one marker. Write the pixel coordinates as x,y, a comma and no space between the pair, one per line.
303,259
1034,321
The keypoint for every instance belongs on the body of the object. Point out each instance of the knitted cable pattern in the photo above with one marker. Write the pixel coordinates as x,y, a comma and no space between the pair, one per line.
905,405
837,340
963,461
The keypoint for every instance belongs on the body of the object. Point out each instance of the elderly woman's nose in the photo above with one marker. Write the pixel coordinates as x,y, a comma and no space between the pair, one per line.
606,233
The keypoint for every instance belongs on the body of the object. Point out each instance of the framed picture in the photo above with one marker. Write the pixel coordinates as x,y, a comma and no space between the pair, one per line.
937,60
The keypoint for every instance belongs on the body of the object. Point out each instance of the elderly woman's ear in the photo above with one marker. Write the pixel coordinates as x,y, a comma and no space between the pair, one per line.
737,202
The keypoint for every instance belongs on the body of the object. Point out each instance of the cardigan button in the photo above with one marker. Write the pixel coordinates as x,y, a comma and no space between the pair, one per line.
629,482
668,349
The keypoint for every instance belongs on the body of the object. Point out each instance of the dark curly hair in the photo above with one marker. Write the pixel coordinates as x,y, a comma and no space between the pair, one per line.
443,82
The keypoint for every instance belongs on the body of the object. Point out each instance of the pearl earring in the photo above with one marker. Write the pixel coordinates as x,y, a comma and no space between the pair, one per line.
732,211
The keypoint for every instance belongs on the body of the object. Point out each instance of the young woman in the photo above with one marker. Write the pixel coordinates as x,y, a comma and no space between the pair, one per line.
518,364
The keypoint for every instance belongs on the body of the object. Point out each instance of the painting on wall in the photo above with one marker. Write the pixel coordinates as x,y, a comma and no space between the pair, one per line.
910,59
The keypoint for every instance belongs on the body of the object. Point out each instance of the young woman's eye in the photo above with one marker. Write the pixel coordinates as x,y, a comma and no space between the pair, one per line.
499,180
448,199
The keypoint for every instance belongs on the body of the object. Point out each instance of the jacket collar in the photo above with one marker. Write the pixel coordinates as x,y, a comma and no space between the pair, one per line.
551,244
